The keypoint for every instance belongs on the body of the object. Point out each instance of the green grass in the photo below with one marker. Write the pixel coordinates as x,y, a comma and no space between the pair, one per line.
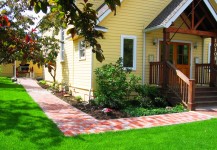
24,126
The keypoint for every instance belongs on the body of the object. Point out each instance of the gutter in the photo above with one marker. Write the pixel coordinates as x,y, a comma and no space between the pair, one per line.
91,76
143,57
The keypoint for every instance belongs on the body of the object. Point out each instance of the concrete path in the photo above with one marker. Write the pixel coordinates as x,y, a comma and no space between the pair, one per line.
72,121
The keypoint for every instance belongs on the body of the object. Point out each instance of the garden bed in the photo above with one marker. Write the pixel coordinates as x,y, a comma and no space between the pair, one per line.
97,112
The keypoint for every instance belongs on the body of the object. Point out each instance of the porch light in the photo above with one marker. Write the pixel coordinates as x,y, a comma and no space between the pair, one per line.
154,41
195,45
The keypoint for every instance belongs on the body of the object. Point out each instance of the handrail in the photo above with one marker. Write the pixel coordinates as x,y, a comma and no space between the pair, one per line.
181,85
179,73
178,83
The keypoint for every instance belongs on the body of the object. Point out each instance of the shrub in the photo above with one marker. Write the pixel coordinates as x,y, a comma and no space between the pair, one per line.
150,96
113,85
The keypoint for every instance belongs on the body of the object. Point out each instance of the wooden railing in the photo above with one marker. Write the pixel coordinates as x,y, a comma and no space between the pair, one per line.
156,73
178,83
181,85
202,73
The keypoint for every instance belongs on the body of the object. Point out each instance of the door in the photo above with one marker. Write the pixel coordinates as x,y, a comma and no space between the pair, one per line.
179,56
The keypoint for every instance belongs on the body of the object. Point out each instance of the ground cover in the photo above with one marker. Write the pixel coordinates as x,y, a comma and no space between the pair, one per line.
23,125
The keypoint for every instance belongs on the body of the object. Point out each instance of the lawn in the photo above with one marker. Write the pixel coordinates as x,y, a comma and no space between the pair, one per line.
23,125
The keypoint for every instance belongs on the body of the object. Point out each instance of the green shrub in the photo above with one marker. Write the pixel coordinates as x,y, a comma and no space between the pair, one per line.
114,85
139,111
150,96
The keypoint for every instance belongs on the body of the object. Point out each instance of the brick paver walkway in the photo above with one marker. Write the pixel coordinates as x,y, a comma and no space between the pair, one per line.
72,121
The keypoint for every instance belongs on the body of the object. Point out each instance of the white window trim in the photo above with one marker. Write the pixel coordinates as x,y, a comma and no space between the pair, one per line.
79,57
134,48
62,46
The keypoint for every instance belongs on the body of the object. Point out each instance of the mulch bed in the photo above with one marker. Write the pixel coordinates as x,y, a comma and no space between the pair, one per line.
94,111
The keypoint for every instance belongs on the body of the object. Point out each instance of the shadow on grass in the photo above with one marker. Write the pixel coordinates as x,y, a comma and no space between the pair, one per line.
21,118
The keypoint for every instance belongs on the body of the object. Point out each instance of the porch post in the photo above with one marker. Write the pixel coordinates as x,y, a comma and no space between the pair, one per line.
212,61
166,37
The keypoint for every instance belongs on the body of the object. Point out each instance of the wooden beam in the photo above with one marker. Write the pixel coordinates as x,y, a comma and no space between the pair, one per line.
185,21
198,17
192,15
199,22
193,32
207,16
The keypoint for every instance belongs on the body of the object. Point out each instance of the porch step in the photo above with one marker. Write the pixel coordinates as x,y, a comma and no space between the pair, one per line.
205,96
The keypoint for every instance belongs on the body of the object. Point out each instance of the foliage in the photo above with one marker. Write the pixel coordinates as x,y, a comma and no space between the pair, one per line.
150,96
42,82
78,98
113,85
140,111
18,41
84,20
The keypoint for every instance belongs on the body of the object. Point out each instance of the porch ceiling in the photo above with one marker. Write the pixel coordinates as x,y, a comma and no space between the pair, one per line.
200,13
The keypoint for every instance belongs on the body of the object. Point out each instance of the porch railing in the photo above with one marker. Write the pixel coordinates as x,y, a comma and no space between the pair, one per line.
181,85
202,73
156,73
178,83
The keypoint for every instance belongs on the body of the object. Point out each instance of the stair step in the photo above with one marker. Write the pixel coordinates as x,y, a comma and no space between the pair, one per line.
206,98
203,89
204,93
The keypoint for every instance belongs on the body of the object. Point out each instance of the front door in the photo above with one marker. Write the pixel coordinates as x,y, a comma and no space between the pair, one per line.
179,56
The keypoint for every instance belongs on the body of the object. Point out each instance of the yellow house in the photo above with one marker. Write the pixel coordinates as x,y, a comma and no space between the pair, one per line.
170,43
8,70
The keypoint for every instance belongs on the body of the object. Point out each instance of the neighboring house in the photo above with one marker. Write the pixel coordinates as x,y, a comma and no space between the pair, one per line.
161,40
8,70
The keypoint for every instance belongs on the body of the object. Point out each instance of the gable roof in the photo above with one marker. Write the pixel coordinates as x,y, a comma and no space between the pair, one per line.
171,12
103,11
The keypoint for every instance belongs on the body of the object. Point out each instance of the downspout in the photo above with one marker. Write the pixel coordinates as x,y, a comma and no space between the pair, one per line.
143,57
91,75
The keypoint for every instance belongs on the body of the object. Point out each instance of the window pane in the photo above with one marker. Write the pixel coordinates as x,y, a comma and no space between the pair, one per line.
182,54
128,53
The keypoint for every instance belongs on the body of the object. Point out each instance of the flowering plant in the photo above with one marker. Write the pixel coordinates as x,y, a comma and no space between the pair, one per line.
106,110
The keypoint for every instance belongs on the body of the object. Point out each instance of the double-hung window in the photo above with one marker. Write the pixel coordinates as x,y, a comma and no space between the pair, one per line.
128,51
81,50
62,44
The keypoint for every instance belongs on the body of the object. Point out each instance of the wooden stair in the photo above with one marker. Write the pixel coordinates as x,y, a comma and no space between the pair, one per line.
205,96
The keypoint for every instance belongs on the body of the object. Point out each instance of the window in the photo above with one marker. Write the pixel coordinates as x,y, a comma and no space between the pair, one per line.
128,51
81,50
62,44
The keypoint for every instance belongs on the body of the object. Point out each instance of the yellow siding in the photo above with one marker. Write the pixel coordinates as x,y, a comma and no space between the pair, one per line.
6,70
82,68
132,17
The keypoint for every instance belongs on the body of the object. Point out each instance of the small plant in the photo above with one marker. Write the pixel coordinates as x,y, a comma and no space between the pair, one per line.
150,97
78,99
42,82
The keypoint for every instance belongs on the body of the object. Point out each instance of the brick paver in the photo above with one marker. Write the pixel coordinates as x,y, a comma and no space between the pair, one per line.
72,121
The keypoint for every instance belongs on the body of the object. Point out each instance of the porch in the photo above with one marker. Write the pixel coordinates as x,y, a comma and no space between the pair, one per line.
193,93
174,71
